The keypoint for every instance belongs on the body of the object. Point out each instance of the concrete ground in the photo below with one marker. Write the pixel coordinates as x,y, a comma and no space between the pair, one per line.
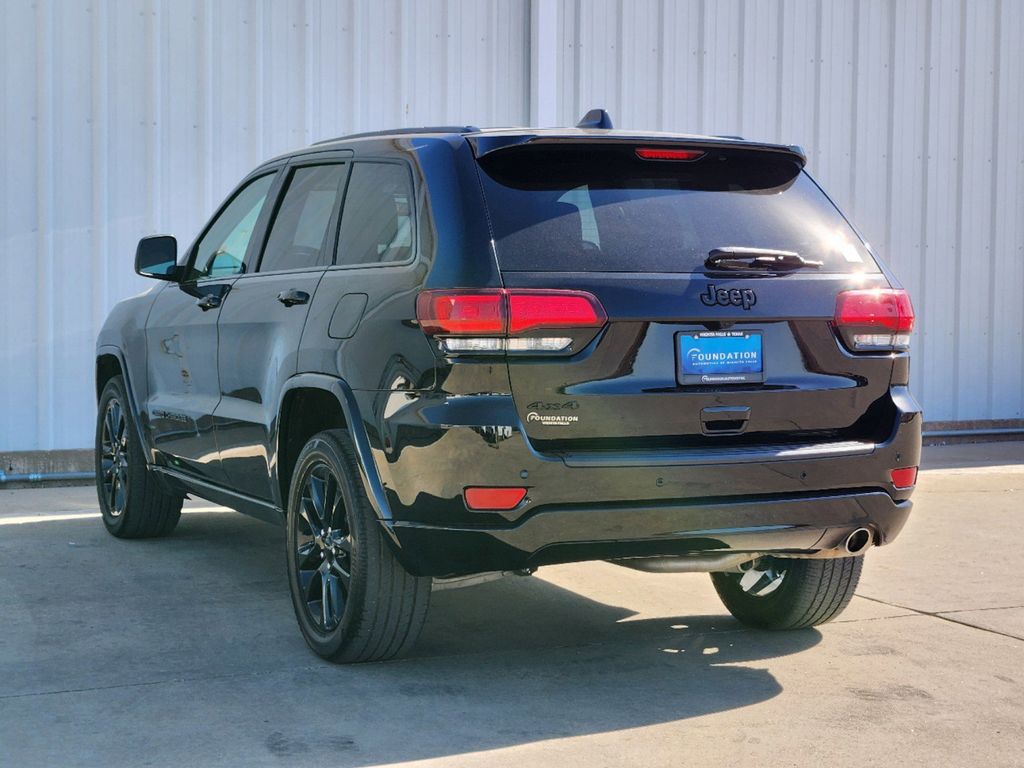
184,652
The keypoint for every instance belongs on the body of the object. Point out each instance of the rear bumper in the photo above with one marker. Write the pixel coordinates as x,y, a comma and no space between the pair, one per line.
802,526
801,500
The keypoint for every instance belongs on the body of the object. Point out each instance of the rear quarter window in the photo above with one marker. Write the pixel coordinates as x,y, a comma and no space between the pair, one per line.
571,209
377,221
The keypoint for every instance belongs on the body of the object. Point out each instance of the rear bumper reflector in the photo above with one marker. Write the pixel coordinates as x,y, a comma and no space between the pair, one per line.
494,498
904,477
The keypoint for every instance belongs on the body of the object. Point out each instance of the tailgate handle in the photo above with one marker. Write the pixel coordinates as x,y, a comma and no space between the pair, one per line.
724,419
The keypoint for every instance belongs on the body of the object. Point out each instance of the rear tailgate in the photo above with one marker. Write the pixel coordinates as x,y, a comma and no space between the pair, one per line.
691,355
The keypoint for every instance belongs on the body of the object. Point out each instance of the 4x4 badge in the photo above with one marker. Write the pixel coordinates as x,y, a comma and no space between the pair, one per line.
736,297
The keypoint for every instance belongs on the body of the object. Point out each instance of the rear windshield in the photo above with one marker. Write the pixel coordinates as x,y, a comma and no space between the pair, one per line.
602,209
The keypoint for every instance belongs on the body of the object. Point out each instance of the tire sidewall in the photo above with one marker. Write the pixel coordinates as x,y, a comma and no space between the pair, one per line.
812,592
322,449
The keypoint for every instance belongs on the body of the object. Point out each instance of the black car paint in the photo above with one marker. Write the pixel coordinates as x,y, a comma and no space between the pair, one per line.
425,425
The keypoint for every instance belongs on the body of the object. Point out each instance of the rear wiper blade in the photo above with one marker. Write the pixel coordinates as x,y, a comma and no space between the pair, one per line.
757,258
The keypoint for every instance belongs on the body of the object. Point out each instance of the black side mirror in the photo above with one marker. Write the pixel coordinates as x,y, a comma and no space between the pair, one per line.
157,257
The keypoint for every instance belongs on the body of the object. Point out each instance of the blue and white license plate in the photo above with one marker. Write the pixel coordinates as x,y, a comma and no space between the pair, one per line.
720,357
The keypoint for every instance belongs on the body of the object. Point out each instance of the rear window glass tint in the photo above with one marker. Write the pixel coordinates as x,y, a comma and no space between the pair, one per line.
603,209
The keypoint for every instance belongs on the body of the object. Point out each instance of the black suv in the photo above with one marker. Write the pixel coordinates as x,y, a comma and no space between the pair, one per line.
439,352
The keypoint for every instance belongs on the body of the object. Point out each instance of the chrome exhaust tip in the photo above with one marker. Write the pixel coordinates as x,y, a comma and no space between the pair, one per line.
859,541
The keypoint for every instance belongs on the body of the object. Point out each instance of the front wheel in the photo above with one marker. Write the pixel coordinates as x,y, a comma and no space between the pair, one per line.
353,600
133,503
787,593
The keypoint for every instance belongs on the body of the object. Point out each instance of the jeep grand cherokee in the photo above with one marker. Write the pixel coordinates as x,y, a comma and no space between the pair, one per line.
449,351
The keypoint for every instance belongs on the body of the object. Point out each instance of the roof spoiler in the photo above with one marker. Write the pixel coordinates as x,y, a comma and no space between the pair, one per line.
484,144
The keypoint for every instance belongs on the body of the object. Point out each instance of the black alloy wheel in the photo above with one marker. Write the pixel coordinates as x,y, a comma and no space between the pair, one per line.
323,548
114,458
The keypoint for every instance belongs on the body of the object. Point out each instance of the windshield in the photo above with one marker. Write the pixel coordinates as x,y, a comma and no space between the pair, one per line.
589,208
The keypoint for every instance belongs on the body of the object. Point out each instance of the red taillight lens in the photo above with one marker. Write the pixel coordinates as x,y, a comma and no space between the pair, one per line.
660,153
887,308
500,499
471,313
904,477
482,322
875,319
533,310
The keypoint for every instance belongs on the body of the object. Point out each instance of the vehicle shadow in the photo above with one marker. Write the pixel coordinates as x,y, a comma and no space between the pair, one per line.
523,660
192,638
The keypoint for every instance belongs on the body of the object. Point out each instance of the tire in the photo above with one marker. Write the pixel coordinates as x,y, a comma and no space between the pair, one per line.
374,609
811,592
133,502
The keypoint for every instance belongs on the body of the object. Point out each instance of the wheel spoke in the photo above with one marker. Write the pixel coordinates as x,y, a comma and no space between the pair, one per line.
325,599
309,516
306,555
762,579
308,580
333,602
122,491
338,596
116,494
343,575
330,500
110,424
343,544
316,495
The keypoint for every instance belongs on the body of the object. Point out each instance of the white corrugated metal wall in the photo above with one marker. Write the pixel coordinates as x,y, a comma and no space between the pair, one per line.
123,118
912,116
126,118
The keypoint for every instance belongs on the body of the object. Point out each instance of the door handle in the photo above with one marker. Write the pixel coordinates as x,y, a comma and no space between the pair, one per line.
209,301
292,297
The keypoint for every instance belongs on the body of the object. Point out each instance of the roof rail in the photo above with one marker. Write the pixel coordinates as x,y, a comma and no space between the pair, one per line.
402,132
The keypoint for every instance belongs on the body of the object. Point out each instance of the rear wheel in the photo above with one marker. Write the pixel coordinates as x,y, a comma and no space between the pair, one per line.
353,600
786,593
133,503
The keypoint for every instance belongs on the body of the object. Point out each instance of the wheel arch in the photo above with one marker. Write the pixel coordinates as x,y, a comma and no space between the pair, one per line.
110,363
311,403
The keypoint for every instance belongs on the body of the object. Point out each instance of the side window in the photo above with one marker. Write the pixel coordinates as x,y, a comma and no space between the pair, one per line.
298,236
221,251
377,224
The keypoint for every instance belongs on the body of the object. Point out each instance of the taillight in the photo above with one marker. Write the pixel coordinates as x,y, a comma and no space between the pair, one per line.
873,320
532,310
445,312
507,320
662,153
